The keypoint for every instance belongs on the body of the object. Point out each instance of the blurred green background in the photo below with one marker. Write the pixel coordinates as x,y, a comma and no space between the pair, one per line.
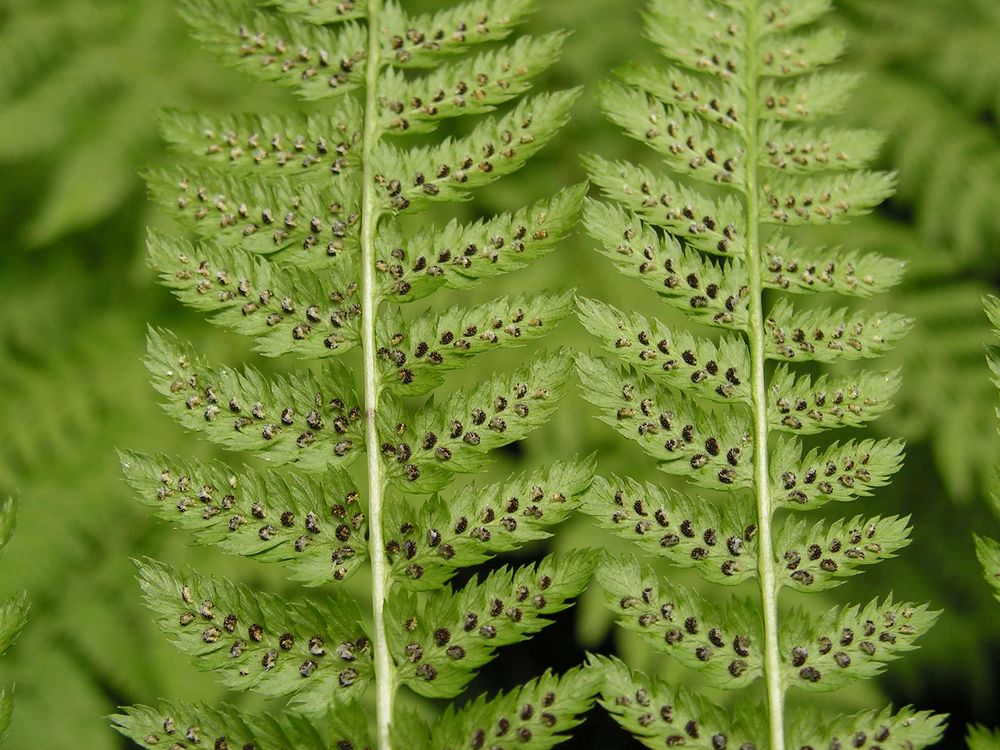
81,82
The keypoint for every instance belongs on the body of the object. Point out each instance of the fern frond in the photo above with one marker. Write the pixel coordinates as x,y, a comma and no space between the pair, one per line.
987,549
308,147
836,551
711,450
412,266
287,311
800,270
980,738
315,528
454,634
850,643
722,225
535,716
309,247
13,613
222,726
659,714
417,355
307,652
311,421
837,474
717,542
724,645
905,728
476,523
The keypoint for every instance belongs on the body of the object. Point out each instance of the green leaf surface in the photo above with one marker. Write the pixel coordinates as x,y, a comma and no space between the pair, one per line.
534,716
311,420
314,61
838,473
660,714
799,270
705,368
849,643
312,652
438,646
421,41
475,523
222,727
262,216
712,226
410,179
820,557
717,540
417,353
285,309
456,436
905,729
824,335
711,294
260,514
797,404
723,643
310,146
710,449
413,265
469,86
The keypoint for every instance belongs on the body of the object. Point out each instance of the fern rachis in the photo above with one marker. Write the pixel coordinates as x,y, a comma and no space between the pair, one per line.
306,251
724,113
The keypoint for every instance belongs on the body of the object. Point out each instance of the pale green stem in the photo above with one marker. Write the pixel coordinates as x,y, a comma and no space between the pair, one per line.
385,676
765,552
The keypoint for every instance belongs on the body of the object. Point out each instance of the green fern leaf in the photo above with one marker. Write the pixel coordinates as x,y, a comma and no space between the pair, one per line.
308,147
457,435
850,643
830,336
802,270
659,715
308,247
685,438
906,728
286,519
717,542
836,551
476,523
424,349
150,726
535,716
716,372
460,256
837,474
286,310
318,63
988,552
13,613
307,652
980,738
711,231
438,646
723,645
311,422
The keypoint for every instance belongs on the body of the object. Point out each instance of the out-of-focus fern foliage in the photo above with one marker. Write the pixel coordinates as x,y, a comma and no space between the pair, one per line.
80,84
933,83
13,614
988,549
